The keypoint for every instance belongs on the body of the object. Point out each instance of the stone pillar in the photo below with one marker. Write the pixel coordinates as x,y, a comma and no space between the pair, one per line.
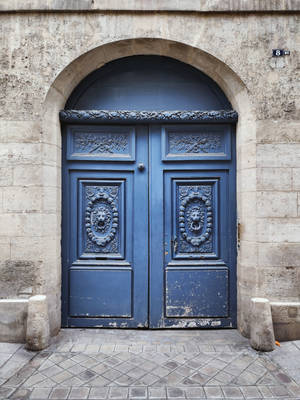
261,328
37,334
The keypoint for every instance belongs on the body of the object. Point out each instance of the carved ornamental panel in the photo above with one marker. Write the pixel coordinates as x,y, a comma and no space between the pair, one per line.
188,142
102,219
103,143
194,219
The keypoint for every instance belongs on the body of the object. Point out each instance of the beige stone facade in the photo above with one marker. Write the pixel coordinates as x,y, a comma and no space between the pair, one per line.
47,50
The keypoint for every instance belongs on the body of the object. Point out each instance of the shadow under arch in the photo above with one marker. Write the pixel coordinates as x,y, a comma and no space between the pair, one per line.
231,84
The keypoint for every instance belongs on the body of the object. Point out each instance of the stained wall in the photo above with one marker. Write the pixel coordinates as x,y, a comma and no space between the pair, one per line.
46,53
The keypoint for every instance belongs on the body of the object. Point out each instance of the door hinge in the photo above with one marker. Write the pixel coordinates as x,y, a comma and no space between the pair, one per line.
238,233
174,245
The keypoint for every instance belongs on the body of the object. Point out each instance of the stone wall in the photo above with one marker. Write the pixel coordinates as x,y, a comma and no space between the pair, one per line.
44,55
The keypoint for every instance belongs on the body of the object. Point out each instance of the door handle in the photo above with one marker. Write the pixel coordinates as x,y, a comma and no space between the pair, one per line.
141,166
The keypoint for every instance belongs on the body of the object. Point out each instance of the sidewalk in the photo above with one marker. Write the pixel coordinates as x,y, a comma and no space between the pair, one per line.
132,364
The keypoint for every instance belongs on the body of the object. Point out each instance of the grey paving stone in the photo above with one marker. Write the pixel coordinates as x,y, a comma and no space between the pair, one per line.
251,392
9,348
195,392
124,367
36,378
99,381
40,393
98,393
138,393
90,362
157,393
213,392
5,392
294,389
246,378
224,377
199,378
21,394
9,368
174,392
118,393
173,378
136,373
232,392
279,391
4,357
86,375
59,393
62,376
124,380
54,370
74,381
149,379
79,393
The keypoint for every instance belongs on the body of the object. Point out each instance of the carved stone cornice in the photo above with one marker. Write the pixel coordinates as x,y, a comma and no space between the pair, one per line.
106,116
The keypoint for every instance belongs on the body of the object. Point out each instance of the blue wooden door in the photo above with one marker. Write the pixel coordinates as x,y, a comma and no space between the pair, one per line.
192,226
185,195
105,226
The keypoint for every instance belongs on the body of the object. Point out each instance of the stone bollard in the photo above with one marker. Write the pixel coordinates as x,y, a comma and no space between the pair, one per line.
37,333
261,329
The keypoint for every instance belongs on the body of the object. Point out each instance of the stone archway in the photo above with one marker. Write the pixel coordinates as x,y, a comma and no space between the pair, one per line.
236,92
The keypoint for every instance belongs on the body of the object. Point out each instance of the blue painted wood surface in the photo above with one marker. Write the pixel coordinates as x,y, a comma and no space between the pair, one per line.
147,83
189,275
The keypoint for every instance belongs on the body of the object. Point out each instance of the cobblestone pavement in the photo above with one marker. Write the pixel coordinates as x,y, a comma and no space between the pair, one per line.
129,364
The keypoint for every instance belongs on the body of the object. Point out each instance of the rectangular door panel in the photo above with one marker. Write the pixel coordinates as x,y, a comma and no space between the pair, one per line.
93,292
193,292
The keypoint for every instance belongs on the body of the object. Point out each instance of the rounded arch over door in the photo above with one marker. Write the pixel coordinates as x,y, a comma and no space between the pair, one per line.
149,200
148,83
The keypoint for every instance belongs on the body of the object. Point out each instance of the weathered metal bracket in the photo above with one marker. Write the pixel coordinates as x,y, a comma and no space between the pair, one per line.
107,116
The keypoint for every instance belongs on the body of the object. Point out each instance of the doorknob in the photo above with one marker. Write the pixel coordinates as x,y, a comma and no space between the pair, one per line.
141,166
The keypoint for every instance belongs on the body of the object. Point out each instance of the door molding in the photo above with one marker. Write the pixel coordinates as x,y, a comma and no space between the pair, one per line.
133,116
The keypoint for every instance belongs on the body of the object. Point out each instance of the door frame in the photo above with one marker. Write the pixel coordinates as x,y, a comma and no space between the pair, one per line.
145,117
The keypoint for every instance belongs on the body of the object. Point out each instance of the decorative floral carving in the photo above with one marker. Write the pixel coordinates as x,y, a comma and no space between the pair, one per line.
93,116
100,143
195,218
101,218
195,143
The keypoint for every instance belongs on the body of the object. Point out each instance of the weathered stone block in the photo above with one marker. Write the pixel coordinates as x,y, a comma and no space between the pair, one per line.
278,131
19,131
22,199
276,204
286,319
279,283
279,254
296,178
274,179
278,155
278,230
261,329
13,315
18,277
27,175
6,176
37,332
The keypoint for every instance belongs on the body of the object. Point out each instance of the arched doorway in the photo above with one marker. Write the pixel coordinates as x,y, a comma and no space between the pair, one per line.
149,205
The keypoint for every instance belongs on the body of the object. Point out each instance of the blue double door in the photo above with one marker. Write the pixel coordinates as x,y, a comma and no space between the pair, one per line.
149,236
